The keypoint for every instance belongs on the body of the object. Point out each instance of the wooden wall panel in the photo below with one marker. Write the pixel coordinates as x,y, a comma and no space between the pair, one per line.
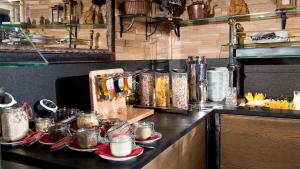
187,153
199,40
249,142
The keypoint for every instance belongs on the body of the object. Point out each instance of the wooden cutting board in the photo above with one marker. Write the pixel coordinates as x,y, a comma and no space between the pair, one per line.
110,108
133,114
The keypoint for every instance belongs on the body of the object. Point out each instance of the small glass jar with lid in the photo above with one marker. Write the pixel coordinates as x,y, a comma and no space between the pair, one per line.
121,140
42,124
15,123
180,92
146,88
162,88
106,124
87,119
143,130
88,138
58,131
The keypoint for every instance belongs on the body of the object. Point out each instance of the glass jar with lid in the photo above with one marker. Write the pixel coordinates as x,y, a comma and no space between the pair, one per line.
15,123
143,130
121,140
58,131
106,124
162,92
87,119
42,124
88,138
180,89
146,88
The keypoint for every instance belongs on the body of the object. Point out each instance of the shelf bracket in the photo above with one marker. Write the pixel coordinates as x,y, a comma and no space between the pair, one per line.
122,30
153,32
283,20
176,28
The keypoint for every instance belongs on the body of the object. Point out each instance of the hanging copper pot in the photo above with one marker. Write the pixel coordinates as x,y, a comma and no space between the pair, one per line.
200,9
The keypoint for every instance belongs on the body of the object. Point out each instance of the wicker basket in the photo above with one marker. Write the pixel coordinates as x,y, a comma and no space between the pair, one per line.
137,6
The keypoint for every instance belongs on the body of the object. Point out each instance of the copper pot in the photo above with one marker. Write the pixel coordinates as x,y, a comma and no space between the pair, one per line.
197,9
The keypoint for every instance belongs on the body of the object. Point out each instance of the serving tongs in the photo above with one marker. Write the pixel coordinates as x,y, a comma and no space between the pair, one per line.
33,138
66,141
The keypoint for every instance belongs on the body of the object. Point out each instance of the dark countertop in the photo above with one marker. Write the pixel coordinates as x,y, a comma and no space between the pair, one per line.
13,165
172,127
294,114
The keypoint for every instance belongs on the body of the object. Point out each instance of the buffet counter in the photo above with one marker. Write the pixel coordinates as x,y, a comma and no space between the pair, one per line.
252,135
257,138
183,140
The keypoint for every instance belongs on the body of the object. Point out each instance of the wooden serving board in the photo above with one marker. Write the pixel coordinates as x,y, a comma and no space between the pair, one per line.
133,114
115,108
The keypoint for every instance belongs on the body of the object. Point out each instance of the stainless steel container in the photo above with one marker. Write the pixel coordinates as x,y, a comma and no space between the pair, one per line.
202,92
197,74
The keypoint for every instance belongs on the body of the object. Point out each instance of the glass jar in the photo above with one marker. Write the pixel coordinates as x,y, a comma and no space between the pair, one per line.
87,119
88,138
65,113
146,89
106,124
121,146
58,131
15,123
162,92
42,124
143,130
121,139
180,89
231,97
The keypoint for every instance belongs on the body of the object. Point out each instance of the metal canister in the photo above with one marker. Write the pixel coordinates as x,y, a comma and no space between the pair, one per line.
202,92
197,73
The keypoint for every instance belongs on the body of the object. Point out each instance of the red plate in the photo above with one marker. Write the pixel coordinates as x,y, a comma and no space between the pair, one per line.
46,140
156,136
103,150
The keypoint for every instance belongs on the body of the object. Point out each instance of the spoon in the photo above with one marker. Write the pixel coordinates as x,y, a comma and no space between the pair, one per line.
150,147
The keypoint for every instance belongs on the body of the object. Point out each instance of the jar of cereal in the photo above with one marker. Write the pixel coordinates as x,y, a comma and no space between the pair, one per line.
162,92
146,88
180,89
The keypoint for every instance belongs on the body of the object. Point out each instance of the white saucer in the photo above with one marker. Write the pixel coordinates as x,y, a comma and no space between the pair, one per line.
120,158
150,141
82,150
14,143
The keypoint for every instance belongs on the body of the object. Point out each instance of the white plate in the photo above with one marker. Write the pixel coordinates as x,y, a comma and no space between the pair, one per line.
15,143
150,141
45,143
82,150
120,158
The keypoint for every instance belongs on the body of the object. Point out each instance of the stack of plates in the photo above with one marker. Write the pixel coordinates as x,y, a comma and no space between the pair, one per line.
218,82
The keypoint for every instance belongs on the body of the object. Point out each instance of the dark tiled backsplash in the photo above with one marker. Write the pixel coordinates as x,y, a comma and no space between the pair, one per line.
67,84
